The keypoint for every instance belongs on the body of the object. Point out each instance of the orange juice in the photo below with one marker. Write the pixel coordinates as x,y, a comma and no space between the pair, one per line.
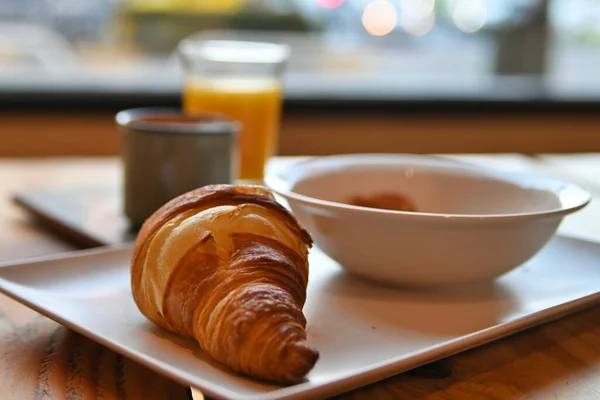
253,102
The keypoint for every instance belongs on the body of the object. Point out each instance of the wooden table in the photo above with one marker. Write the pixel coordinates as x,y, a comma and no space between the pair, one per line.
40,359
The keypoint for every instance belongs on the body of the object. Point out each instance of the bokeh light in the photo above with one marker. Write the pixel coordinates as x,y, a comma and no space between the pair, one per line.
469,15
417,9
379,17
417,17
330,3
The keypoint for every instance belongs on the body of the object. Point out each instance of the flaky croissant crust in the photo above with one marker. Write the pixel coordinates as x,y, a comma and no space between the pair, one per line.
238,293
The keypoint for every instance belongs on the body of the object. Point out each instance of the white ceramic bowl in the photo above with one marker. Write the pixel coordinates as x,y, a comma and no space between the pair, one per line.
471,223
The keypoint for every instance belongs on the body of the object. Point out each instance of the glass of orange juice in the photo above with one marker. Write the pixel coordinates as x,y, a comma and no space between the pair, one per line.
241,80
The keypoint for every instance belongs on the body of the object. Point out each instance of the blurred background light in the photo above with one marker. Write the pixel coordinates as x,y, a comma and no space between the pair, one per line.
330,3
417,16
417,9
469,15
379,17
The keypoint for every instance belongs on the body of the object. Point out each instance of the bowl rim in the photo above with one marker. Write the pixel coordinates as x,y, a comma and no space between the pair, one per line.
278,182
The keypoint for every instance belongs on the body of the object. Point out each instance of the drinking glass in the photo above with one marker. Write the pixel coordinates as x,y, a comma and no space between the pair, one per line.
241,80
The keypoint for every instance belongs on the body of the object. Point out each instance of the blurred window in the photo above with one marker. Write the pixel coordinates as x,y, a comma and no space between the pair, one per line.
426,49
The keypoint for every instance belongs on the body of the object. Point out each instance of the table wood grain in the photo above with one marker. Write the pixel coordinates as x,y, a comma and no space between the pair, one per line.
40,359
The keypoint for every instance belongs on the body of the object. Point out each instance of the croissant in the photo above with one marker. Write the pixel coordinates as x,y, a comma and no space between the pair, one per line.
227,265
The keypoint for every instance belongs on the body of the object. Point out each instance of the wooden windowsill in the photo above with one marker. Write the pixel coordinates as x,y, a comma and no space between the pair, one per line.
30,134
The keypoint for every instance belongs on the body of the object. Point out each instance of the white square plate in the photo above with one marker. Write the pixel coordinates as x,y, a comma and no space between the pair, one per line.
364,332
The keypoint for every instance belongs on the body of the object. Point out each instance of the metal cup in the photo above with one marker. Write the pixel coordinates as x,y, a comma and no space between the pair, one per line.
166,153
